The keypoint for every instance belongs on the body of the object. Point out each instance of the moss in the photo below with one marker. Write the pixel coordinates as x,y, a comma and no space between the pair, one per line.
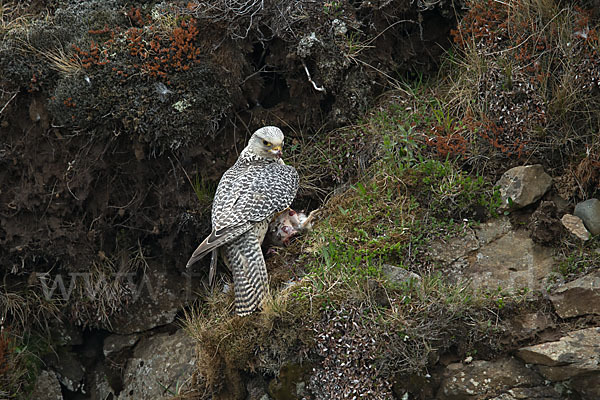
169,103
290,382
28,45
140,107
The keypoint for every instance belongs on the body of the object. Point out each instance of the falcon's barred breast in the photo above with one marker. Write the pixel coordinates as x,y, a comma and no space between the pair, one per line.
257,187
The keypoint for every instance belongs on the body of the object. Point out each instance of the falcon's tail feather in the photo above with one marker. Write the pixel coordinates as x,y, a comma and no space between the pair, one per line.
213,267
250,282
215,239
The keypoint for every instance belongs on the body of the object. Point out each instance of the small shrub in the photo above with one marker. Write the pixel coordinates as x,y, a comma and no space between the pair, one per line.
575,260
525,81
20,362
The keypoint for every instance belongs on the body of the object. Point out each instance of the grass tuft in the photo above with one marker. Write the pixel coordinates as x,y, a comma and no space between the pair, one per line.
19,362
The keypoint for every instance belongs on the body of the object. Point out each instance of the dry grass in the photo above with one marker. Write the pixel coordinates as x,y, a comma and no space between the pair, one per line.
26,309
106,288
325,160
20,361
60,61
228,344
241,16
13,15
164,20
525,79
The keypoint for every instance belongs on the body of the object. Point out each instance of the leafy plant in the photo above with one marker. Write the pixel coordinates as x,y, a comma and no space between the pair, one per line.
20,362
204,190
578,259
332,8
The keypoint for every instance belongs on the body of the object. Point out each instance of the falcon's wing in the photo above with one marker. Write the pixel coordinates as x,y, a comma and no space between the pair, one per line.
255,195
216,239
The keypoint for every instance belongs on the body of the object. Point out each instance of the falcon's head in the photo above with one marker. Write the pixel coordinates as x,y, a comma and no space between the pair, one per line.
267,142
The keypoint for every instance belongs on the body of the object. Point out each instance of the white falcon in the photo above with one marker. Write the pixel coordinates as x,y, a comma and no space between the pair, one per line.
250,193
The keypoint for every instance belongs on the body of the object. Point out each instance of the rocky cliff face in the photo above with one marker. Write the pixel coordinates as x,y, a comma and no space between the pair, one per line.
117,119
113,111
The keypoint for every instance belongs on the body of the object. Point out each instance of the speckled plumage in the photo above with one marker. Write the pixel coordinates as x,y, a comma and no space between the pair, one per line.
257,187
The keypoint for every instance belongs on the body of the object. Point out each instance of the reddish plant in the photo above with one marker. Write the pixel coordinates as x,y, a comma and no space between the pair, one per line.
447,143
149,52
5,350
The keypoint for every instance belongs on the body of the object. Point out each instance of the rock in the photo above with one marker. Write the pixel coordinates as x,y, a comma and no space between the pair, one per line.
529,324
512,261
99,387
157,299
290,382
589,212
575,355
523,185
107,378
46,387
579,297
485,379
160,363
69,370
398,274
65,334
116,343
530,393
493,256
257,389
562,205
448,251
575,225
587,386
492,230
544,225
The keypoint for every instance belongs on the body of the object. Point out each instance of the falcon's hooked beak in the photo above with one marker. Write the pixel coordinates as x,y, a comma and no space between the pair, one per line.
276,151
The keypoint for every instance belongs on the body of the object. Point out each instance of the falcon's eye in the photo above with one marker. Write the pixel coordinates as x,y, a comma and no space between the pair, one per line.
266,143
